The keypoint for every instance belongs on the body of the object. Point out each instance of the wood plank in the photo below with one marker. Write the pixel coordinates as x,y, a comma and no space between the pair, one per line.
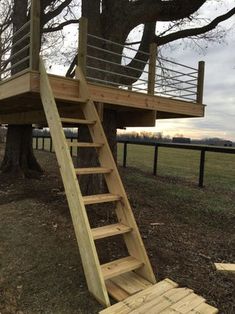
162,302
225,267
95,170
204,309
90,261
100,198
130,283
77,121
116,292
35,35
109,231
185,305
143,297
85,145
120,266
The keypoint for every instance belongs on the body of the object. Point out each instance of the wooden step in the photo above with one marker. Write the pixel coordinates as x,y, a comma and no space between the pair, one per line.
72,100
95,170
109,231
120,266
77,121
100,198
125,285
85,145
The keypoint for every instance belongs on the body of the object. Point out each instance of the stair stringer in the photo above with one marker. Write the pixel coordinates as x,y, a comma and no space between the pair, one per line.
88,253
124,212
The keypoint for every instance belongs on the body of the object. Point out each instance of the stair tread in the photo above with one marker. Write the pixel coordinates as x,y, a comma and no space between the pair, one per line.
109,231
120,266
71,99
92,170
84,144
100,198
77,121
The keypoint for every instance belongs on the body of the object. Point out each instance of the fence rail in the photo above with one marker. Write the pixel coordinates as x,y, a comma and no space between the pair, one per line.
201,148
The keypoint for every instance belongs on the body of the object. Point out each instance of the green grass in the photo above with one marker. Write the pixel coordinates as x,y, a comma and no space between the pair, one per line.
179,163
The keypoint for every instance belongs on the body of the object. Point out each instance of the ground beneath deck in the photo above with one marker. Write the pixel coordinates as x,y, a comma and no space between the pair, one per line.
40,269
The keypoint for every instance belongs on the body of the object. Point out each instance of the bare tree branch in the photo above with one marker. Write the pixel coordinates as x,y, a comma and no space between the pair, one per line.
194,31
60,26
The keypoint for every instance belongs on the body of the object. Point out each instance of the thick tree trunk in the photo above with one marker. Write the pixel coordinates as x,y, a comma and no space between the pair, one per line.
94,184
19,160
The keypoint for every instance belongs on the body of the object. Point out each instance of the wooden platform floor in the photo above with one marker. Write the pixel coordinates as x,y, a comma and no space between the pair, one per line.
20,101
140,297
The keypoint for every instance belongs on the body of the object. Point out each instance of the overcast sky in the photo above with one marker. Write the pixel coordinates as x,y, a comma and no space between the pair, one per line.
219,92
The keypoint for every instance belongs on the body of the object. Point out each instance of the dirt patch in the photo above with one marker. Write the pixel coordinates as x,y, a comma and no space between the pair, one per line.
40,267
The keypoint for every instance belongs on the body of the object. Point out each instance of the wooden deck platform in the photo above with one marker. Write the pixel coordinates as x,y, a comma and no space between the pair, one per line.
139,297
20,102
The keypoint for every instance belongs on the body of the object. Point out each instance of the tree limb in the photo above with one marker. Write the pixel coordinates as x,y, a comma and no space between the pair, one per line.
194,31
60,26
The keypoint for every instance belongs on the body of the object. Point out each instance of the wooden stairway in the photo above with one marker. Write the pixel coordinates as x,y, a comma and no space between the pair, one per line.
128,277
98,276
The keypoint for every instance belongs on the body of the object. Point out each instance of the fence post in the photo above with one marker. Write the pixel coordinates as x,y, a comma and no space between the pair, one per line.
37,142
71,148
82,48
155,160
152,68
124,154
43,143
202,168
35,34
200,81
50,145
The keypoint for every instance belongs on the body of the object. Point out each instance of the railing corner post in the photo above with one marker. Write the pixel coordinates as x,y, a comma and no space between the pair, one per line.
35,34
200,81
82,48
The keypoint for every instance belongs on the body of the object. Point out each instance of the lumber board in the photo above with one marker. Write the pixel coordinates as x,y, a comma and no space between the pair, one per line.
116,292
90,261
225,267
95,170
204,308
109,231
85,145
120,266
100,198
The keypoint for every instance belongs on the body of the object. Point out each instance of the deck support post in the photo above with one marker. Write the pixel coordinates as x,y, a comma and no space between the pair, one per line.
82,48
152,68
200,81
202,168
35,35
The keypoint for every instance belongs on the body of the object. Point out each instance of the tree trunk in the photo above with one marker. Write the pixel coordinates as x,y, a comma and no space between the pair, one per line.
94,184
19,160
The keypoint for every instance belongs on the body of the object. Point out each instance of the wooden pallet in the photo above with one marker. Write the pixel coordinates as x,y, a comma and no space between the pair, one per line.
98,276
163,297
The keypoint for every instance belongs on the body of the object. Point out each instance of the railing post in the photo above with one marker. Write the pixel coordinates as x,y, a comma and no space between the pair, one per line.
82,49
124,154
202,168
152,68
155,160
35,34
200,81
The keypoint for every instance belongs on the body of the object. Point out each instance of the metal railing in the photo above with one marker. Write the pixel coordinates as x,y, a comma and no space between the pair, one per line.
19,49
105,62
124,66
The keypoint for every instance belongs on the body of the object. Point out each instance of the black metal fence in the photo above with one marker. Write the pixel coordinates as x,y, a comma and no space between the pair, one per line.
201,148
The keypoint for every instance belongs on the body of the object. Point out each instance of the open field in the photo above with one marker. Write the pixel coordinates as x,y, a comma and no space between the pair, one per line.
179,163
185,229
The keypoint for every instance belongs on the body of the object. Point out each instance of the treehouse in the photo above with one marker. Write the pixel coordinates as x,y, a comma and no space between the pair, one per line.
140,91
